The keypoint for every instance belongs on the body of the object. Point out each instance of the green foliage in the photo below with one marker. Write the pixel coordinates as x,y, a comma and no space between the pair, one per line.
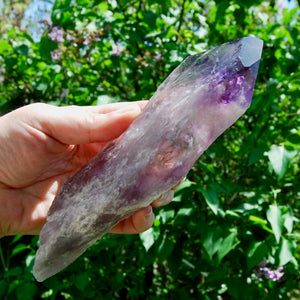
240,203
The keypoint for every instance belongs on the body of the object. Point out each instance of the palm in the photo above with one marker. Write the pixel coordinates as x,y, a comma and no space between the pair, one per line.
32,178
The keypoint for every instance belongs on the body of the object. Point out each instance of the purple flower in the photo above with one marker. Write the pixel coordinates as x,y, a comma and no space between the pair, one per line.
262,264
70,37
270,274
273,275
117,49
56,34
97,38
157,56
87,41
56,55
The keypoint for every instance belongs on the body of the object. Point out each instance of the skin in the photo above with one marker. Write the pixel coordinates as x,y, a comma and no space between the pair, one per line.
42,146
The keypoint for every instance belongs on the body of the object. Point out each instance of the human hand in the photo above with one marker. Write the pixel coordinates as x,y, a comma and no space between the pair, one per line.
42,146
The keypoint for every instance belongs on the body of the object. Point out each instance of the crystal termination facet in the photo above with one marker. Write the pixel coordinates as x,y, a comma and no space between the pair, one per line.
199,100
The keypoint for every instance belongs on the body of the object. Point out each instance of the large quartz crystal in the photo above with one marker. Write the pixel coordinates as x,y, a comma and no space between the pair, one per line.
200,99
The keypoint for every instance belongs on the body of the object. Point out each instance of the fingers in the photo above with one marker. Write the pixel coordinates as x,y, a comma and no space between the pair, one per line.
83,125
164,199
167,197
137,223
143,219
107,108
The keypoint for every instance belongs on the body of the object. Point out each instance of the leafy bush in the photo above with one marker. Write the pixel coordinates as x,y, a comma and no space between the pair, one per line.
232,230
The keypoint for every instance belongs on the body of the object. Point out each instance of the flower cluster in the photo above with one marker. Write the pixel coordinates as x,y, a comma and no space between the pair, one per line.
56,55
269,273
274,275
56,34
117,49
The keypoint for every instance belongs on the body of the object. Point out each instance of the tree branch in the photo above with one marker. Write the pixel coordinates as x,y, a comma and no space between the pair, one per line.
181,18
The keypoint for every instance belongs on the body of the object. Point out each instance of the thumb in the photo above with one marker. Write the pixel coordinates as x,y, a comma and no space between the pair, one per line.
86,124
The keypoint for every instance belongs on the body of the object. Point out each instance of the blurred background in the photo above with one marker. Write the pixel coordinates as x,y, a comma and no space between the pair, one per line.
232,230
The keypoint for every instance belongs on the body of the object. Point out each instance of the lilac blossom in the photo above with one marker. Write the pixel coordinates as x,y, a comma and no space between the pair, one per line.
56,34
56,55
269,273
97,38
157,56
87,41
70,37
273,275
117,49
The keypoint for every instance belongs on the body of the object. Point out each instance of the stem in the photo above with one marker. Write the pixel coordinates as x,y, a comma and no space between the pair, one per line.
181,18
2,259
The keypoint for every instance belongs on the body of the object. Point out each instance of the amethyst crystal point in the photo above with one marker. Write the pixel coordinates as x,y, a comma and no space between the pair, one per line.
200,99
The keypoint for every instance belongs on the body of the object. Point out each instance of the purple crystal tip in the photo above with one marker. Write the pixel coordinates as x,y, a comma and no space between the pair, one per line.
250,51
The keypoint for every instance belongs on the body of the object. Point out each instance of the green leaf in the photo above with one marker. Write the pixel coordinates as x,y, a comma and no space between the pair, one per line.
280,158
14,272
166,215
260,222
165,248
239,15
148,238
26,290
274,216
16,238
3,288
150,19
255,155
228,244
4,46
184,191
29,261
19,248
256,254
286,251
221,8
23,49
238,288
246,208
27,37
106,99
184,212
294,138
175,259
81,280
42,87
212,241
257,220
174,56
288,220
212,200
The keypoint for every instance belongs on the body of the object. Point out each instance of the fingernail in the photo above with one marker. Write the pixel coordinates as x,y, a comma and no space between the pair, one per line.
148,211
